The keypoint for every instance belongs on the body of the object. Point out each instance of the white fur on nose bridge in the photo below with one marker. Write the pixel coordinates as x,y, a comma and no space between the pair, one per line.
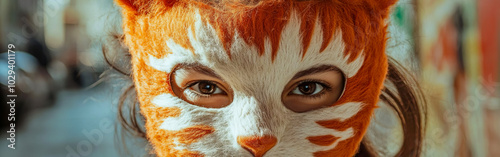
248,116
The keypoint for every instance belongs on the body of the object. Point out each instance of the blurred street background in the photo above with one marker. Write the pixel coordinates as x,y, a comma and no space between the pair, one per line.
65,109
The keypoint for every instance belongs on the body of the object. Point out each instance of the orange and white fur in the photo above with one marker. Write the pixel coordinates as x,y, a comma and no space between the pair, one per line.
256,49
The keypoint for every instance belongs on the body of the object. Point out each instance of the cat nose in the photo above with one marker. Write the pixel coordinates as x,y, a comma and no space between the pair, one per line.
257,145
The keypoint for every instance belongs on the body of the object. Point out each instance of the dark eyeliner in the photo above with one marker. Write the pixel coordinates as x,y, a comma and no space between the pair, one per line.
322,83
192,83
326,86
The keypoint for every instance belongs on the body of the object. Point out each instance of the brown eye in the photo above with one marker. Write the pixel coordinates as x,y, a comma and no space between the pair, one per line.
314,88
308,88
200,86
206,87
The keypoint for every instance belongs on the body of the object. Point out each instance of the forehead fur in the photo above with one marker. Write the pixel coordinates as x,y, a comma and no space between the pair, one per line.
360,22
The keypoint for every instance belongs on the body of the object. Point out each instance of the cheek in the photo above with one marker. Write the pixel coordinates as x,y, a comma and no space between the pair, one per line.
329,131
173,126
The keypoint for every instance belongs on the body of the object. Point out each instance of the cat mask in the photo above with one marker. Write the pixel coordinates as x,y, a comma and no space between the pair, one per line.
253,51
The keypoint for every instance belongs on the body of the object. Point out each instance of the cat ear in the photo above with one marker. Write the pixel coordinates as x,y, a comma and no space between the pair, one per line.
382,5
144,6
377,5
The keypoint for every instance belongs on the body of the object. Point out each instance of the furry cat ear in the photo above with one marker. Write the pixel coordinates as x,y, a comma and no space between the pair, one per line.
144,6
381,6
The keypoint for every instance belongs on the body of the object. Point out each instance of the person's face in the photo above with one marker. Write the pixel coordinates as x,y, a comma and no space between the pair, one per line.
202,96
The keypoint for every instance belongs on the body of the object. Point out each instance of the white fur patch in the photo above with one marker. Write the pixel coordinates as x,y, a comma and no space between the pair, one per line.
340,112
174,124
167,64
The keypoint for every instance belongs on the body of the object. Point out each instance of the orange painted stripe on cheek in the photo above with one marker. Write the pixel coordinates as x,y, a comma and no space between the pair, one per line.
194,133
189,154
163,140
347,147
323,140
159,113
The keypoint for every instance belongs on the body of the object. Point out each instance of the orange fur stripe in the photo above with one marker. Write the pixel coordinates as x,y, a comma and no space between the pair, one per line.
323,140
164,140
347,147
192,134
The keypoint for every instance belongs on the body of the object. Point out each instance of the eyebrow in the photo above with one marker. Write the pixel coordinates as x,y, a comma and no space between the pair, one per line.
314,70
201,69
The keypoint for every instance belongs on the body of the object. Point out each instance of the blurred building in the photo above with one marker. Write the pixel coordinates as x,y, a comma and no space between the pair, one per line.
458,50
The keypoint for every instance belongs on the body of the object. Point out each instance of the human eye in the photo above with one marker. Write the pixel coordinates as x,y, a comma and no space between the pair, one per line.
201,87
314,90
310,88
205,88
